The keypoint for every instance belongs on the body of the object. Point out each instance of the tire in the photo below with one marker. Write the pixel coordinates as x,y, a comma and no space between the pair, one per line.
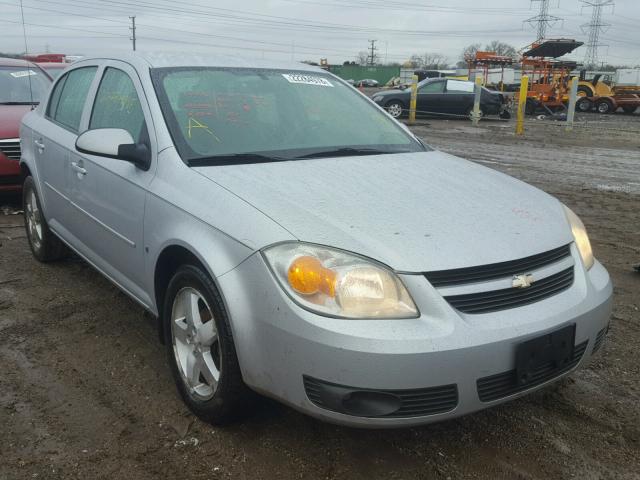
44,244
604,106
584,91
584,105
629,109
395,108
203,341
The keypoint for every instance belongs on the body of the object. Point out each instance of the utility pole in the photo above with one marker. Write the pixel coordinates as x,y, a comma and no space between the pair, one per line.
543,19
133,31
595,27
371,60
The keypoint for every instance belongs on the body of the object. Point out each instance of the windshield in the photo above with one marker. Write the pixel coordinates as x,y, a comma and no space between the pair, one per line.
14,85
225,114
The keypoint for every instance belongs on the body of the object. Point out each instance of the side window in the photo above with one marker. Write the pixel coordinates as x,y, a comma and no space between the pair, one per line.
432,87
117,105
70,101
459,86
55,97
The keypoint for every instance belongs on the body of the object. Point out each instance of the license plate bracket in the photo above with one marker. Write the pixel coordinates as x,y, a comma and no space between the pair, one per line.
552,350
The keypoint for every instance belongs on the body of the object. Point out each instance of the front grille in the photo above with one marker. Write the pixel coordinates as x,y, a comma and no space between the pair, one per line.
11,148
504,384
599,340
492,301
413,403
458,276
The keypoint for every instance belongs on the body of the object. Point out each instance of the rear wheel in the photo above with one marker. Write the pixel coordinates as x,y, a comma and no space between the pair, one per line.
629,109
200,348
530,107
584,104
395,108
45,246
604,106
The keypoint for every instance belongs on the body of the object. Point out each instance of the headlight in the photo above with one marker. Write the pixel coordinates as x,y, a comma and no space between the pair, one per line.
581,238
338,284
377,99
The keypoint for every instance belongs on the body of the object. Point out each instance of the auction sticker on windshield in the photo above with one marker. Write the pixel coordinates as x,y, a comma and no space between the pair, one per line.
307,79
24,73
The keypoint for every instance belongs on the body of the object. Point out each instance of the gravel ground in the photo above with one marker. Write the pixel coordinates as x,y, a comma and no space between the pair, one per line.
85,391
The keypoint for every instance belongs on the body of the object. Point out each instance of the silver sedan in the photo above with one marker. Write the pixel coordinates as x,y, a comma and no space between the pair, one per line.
294,240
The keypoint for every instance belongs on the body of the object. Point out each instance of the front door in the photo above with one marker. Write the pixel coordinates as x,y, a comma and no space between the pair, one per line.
110,194
430,97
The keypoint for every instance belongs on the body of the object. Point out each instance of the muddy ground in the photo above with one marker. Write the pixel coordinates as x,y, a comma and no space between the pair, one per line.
85,391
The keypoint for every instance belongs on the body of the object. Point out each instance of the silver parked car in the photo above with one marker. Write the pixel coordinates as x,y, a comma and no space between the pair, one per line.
295,240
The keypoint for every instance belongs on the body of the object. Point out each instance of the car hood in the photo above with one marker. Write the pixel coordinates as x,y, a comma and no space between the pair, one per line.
10,117
386,93
415,212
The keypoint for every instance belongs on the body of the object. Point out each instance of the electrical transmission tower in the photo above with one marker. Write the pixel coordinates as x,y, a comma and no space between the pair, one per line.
595,27
133,31
543,20
371,58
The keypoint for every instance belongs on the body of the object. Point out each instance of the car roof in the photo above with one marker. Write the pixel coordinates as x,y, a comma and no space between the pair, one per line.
14,62
144,60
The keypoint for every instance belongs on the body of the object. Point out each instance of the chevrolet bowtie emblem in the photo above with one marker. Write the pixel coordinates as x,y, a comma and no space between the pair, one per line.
522,281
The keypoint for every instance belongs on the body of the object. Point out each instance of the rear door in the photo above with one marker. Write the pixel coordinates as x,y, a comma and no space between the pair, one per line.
430,97
54,140
458,97
110,194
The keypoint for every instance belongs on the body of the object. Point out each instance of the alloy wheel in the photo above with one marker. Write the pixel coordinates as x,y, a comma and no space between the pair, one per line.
395,110
34,220
196,345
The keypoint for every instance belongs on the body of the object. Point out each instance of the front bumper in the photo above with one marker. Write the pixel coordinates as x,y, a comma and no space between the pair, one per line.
280,345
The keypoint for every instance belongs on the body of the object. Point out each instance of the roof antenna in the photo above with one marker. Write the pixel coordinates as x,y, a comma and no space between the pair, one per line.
26,54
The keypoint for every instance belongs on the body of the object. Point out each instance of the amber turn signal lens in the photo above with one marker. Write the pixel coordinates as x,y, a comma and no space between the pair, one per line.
307,276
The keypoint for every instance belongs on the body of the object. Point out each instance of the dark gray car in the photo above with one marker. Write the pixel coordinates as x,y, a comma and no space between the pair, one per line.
441,96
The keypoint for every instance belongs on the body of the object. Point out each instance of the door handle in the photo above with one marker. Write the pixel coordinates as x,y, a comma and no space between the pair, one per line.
78,168
39,144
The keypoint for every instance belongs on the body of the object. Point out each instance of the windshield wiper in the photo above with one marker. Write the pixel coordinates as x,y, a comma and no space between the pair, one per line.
233,159
19,103
348,152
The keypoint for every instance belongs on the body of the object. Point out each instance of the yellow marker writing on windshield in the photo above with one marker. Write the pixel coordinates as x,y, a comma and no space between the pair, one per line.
193,123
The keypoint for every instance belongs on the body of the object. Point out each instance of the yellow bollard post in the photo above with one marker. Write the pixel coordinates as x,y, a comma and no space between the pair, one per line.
476,113
573,97
522,101
414,99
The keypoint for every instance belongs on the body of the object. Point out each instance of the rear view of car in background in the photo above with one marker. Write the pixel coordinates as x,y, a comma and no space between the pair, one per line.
22,85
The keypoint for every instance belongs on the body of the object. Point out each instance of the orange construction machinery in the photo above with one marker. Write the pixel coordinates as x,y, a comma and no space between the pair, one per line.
549,78
484,61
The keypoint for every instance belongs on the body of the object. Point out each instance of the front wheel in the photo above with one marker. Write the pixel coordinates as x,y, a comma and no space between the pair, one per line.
45,246
395,108
200,348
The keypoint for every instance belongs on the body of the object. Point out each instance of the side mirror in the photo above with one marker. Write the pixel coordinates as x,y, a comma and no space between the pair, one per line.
114,143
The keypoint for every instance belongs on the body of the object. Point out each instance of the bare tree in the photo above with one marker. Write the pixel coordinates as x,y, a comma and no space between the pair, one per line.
468,53
429,61
501,48
434,61
362,58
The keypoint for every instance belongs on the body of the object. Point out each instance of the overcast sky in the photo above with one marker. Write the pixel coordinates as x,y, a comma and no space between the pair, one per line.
306,29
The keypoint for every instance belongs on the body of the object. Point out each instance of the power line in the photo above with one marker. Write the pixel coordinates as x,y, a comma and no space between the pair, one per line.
543,19
595,27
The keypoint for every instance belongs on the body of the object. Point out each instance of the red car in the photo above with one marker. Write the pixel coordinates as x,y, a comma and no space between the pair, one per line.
22,85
